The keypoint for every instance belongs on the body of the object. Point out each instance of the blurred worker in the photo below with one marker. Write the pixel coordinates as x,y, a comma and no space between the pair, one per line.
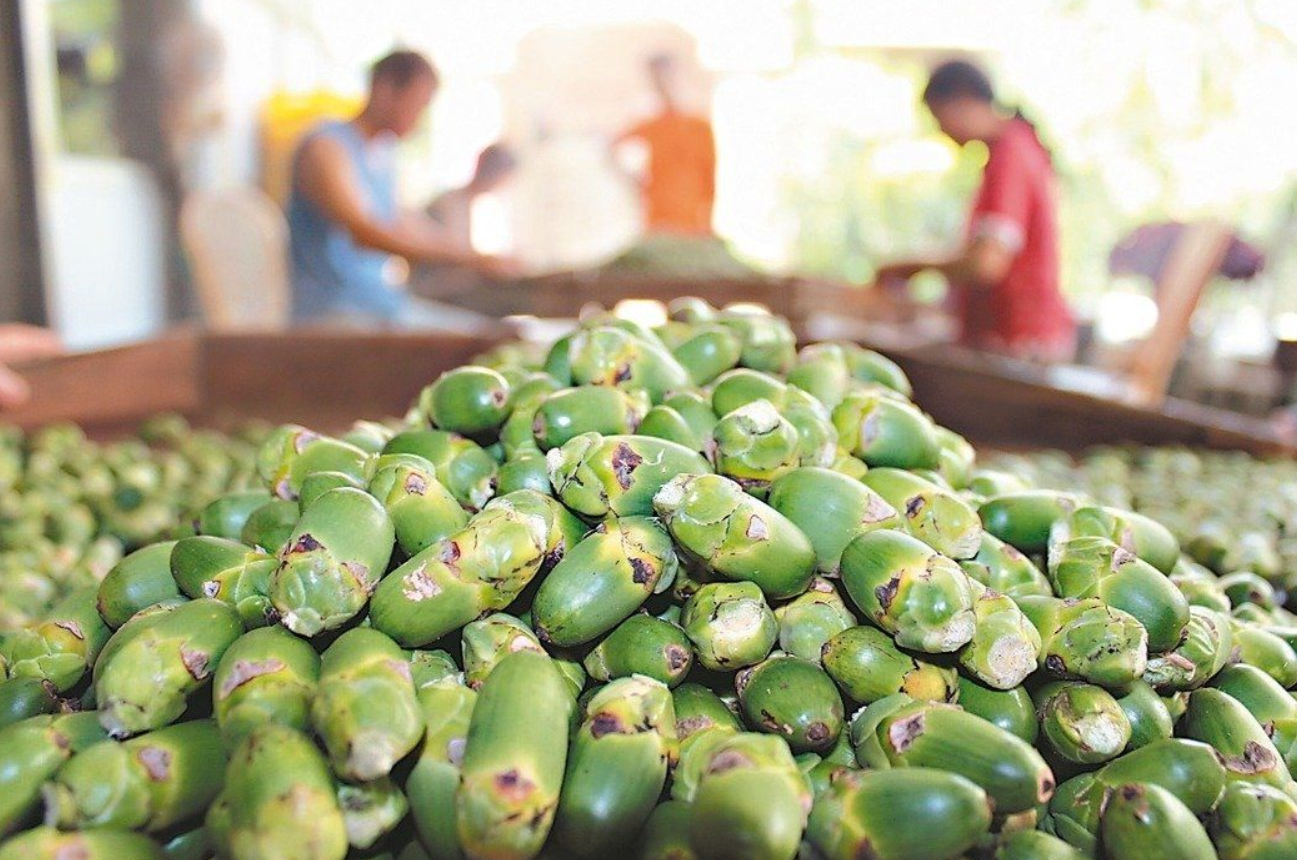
21,343
1005,278
679,186
453,209
343,217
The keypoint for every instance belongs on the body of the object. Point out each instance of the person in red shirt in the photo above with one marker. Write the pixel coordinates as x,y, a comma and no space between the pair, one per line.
1005,278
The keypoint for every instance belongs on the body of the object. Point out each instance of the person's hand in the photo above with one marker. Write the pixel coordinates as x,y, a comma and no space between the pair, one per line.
20,342
500,268
14,390
894,276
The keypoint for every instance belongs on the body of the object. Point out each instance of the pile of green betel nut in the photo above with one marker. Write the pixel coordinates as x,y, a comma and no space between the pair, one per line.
70,507
1231,511
679,593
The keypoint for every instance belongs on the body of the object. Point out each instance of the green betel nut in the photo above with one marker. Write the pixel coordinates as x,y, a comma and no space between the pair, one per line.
46,843
434,778
707,352
1001,567
867,665
463,466
1245,748
267,676
596,475
754,445
1011,710
617,766
1005,646
279,800
920,597
371,810
1096,567
482,567
334,560
1150,719
699,709
422,510
1081,722
730,625
1025,519
291,453
365,709
469,400
228,571
1254,822
906,814
152,782
61,648
1143,820
933,514
830,508
1190,770
884,431
1202,652
1089,640
603,579
140,580
489,640
31,752
751,800
811,619
794,699
735,535
514,759
896,732
155,662
564,415
642,645
614,357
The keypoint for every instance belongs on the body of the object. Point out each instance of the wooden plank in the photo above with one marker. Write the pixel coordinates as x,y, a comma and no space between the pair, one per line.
324,379
328,379
563,296
111,390
1192,264
22,286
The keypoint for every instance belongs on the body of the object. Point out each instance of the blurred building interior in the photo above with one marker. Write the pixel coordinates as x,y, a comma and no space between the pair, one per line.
826,162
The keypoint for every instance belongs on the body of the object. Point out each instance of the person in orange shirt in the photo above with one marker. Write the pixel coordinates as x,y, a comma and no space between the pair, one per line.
679,186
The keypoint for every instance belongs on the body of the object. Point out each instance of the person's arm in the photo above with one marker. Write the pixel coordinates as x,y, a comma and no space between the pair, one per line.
998,228
326,178
983,262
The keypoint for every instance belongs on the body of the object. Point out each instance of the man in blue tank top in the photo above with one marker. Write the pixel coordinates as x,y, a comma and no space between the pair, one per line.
343,217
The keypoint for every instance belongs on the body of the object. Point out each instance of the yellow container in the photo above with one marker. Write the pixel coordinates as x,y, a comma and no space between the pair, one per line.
285,118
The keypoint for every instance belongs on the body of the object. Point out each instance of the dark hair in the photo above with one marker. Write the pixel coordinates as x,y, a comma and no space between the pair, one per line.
957,79
401,68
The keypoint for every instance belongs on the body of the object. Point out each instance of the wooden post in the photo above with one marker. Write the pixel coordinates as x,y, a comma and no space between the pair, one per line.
22,285
141,114
1192,264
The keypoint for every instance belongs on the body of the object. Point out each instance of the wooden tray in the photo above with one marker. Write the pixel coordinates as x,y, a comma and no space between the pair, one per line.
323,379
326,379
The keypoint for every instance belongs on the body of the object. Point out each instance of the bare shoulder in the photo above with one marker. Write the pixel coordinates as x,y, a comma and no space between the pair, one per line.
321,150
